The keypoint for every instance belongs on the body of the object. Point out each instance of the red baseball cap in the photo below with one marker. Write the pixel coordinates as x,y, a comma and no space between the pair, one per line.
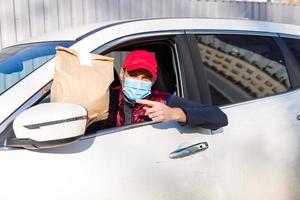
141,59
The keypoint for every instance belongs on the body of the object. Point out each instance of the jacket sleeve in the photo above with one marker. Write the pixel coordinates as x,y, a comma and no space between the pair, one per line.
198,114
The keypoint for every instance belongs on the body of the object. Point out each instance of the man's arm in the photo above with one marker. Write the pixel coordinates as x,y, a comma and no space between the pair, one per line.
198,114
185,112
160,112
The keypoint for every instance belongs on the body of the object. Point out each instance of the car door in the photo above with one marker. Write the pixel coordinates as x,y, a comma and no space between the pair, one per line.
257,154
130,162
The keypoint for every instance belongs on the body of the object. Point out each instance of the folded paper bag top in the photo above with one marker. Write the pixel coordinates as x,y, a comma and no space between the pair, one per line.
85,57
84,79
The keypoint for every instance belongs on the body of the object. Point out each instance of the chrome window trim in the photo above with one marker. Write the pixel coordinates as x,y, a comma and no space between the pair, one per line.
283,35
278,95
231,32
116,129
37,96
135,36
178,72
118,41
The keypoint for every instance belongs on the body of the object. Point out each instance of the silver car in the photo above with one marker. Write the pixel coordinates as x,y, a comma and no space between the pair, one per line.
250,69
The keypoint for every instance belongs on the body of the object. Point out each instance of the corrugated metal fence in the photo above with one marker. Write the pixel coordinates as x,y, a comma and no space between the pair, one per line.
22,19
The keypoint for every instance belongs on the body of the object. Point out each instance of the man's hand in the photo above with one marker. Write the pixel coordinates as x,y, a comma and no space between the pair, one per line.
160,112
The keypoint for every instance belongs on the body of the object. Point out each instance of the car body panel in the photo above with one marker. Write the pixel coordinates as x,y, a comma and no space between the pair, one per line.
131,163
255,156
34,83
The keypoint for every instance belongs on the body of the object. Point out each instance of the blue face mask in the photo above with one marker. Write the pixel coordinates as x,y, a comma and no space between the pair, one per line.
136,89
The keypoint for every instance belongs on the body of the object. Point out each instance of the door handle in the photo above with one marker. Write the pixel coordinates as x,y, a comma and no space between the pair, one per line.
186,151
298,116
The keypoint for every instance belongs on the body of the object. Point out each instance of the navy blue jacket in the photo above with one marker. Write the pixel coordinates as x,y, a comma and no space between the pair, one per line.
198,114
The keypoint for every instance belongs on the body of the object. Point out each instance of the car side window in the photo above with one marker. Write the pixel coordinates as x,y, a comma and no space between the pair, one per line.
242,67
166,78
17,62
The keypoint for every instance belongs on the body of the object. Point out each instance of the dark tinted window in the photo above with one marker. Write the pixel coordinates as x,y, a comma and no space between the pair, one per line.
241,67
294,46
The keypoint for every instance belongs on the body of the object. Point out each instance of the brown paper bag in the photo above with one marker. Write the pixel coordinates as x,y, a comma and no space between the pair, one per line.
74,82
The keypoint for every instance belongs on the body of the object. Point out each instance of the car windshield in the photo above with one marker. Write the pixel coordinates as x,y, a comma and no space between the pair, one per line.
17,62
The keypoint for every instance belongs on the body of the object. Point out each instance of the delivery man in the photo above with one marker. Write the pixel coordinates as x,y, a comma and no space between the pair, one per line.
137,101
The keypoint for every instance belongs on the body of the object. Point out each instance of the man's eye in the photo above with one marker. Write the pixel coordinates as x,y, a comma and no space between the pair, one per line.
132,74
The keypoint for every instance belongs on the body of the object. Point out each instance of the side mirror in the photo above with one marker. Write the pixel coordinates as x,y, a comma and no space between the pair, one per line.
49,125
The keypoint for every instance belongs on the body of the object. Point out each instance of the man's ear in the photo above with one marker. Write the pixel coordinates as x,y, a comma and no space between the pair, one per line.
153,81
121,74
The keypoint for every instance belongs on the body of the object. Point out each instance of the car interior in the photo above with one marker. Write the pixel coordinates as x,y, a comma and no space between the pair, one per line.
166,79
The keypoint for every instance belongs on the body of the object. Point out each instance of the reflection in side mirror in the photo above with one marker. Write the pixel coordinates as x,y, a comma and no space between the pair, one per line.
49,125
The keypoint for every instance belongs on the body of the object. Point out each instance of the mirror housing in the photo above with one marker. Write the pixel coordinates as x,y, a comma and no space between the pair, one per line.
49,125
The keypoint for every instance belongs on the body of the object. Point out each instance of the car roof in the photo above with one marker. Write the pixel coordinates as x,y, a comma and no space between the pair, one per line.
69,34
79,32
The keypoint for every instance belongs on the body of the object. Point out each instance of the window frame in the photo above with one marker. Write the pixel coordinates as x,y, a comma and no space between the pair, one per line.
164,36
147,37
275,36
